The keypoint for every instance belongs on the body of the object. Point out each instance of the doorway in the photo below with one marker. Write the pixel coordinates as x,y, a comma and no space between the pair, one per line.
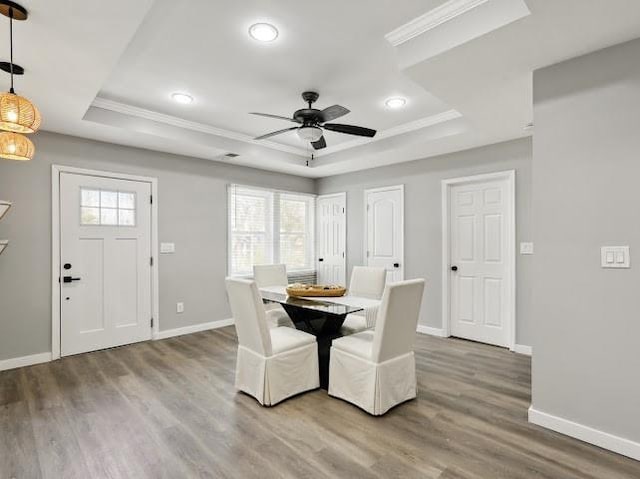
384,230
332,237
104,280
479,258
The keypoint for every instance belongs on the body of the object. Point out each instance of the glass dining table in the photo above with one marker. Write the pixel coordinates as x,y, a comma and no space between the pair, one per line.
321,318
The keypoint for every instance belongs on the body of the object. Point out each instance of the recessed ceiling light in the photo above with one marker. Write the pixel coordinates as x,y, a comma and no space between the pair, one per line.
183,98
395,102
263,32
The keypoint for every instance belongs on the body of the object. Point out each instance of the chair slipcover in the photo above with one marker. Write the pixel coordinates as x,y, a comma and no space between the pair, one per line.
273,275
353,323
270,275
375,369
366,282
272,364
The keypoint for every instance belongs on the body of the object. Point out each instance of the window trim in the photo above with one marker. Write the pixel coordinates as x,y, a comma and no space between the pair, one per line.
275,227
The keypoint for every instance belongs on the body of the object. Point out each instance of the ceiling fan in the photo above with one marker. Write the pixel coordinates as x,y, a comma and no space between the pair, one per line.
311,122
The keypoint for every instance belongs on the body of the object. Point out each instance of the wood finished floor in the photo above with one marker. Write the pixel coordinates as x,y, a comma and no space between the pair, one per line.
167,409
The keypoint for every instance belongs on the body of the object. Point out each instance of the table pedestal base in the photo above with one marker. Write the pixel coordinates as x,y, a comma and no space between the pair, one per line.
324,327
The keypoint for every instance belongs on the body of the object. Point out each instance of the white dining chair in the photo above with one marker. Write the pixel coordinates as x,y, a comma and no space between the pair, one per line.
270,275
375,369
366,282
273,363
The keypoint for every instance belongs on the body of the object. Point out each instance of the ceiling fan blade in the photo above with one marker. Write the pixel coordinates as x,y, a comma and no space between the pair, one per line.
274,133
277,117
350,129
320,144
333,112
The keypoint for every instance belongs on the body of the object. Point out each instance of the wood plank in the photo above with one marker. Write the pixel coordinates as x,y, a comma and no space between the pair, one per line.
166,409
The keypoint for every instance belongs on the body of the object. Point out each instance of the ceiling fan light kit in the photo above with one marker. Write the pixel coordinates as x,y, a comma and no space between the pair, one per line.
309,133
17,114
312,122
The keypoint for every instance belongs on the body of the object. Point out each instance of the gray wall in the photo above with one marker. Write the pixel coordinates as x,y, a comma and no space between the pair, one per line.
423,217
586,164
192,207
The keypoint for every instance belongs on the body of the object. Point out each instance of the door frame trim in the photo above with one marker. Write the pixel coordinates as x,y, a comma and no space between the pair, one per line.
509,176
56,170
365,239
342,194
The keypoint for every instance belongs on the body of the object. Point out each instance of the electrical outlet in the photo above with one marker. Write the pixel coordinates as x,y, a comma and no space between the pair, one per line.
180,308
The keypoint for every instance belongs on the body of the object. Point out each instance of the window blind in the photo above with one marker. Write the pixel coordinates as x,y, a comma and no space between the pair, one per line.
270,226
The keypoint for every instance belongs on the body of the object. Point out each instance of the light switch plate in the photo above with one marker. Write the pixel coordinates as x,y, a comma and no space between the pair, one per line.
526,248
167,248
615,257
179,307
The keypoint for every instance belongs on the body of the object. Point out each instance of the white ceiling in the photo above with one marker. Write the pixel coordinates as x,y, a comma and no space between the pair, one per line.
107,73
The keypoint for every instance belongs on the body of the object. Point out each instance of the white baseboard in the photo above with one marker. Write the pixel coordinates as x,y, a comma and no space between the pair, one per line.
588,434
522,349
24,361
432,331
170,333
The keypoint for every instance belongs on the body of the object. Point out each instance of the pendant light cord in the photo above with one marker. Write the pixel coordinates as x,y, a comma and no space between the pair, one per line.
11,90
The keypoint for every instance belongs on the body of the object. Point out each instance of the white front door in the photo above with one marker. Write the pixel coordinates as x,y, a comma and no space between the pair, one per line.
331,234
385,230
105,262
479,261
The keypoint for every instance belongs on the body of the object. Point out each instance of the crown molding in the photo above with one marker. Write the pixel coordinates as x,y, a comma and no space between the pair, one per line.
395,131
211,130
430,20
135,111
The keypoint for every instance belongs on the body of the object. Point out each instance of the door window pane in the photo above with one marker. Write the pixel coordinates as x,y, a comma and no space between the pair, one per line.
126,218
107,208
126,200
108,216
108,199
90,198
89,216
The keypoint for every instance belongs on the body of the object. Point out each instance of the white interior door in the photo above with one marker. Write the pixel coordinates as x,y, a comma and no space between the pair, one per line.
479,238
331,236
105,253
385,230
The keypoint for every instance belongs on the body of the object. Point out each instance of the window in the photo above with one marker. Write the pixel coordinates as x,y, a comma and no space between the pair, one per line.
268,226
107,208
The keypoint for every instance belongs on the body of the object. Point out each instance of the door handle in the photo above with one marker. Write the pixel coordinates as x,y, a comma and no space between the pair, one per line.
454,268
321,259
69,279
396,265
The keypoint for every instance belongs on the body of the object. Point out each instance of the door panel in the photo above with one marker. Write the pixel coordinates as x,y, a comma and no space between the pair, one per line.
382,216
105,238
90,303
480,301
384,230
332,227
125,268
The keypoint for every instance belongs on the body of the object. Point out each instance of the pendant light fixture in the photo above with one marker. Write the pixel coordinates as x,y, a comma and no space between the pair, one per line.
14,146
17,113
